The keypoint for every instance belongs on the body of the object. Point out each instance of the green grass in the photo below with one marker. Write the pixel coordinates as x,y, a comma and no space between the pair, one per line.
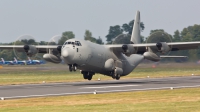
60,73
178,100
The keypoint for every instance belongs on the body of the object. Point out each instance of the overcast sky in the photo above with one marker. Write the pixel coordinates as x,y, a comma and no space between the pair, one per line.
44,19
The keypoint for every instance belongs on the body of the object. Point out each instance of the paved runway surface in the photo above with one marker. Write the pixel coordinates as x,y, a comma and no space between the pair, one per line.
89,87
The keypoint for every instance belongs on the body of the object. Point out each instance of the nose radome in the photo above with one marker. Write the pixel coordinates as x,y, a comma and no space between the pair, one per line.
65,53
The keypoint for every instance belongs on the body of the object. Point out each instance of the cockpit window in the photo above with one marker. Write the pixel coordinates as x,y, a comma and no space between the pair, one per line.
76,43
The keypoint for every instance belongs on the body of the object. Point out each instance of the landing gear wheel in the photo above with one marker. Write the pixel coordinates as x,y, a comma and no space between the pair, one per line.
70,68
117,76
85,75
90,76
74,68
112,75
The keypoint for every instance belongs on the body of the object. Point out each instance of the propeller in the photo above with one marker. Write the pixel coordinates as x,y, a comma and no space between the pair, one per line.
125,40
122,39
24,40
158,37
54,41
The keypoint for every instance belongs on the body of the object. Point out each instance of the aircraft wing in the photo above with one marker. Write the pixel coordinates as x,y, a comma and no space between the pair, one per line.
141,48
40,48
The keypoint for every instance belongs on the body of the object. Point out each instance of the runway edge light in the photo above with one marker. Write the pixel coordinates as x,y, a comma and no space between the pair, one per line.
95,92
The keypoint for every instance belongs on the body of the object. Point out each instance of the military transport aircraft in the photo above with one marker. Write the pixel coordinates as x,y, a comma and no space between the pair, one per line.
111,60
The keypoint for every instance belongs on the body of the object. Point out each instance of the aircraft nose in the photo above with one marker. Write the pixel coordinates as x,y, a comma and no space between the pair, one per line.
67,53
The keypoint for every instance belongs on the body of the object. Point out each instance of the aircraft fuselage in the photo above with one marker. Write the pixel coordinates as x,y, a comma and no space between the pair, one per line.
91,57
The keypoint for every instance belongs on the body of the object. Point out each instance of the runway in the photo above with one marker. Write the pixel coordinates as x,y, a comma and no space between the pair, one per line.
93,87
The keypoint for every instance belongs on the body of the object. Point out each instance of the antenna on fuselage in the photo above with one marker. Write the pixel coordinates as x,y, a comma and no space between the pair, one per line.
135,37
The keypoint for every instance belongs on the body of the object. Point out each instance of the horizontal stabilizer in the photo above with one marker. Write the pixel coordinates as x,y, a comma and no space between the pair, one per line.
173,56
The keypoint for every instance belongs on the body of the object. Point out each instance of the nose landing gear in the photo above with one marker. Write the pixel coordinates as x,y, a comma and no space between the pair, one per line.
115,75
72,67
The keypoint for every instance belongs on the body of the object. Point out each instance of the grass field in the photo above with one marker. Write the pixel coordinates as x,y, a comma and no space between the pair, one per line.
60,73
179,100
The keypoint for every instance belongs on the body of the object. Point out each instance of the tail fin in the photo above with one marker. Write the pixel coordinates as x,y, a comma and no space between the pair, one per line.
2,60
29,59
15,60
135,37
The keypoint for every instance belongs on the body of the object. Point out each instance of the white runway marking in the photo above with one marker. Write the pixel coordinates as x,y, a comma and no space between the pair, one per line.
108,86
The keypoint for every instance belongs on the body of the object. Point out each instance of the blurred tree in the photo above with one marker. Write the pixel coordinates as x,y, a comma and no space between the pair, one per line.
176,36
43,43
99,41
29,41
122,39
114,31
88,36
65,36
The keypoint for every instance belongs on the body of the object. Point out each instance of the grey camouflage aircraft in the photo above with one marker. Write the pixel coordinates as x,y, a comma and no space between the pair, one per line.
111,60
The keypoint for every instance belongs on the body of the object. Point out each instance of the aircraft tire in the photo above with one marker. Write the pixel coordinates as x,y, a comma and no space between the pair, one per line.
70,68
90,75
85,75
113,75
117,76
74,68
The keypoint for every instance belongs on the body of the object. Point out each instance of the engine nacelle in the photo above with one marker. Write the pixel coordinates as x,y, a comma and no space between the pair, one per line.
109,65
52,58
30,50
128,49
151,56
162,47
59,48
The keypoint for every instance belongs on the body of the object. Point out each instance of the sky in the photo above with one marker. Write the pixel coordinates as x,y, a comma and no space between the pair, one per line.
43,19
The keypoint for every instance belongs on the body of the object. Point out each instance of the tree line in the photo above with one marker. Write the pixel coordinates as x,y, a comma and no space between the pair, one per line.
121,34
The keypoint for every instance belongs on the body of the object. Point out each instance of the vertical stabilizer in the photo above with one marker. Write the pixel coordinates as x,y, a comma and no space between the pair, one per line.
15,60
2,60
135,37
29,59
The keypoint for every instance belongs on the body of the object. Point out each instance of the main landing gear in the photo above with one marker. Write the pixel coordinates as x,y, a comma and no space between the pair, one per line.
72,67
115,75
87,75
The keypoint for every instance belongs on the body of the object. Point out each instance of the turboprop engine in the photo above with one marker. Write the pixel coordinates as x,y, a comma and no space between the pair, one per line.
54,56
30,50
128,49
162,47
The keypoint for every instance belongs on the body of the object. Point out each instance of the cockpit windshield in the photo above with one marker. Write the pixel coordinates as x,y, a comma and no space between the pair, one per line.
76,43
